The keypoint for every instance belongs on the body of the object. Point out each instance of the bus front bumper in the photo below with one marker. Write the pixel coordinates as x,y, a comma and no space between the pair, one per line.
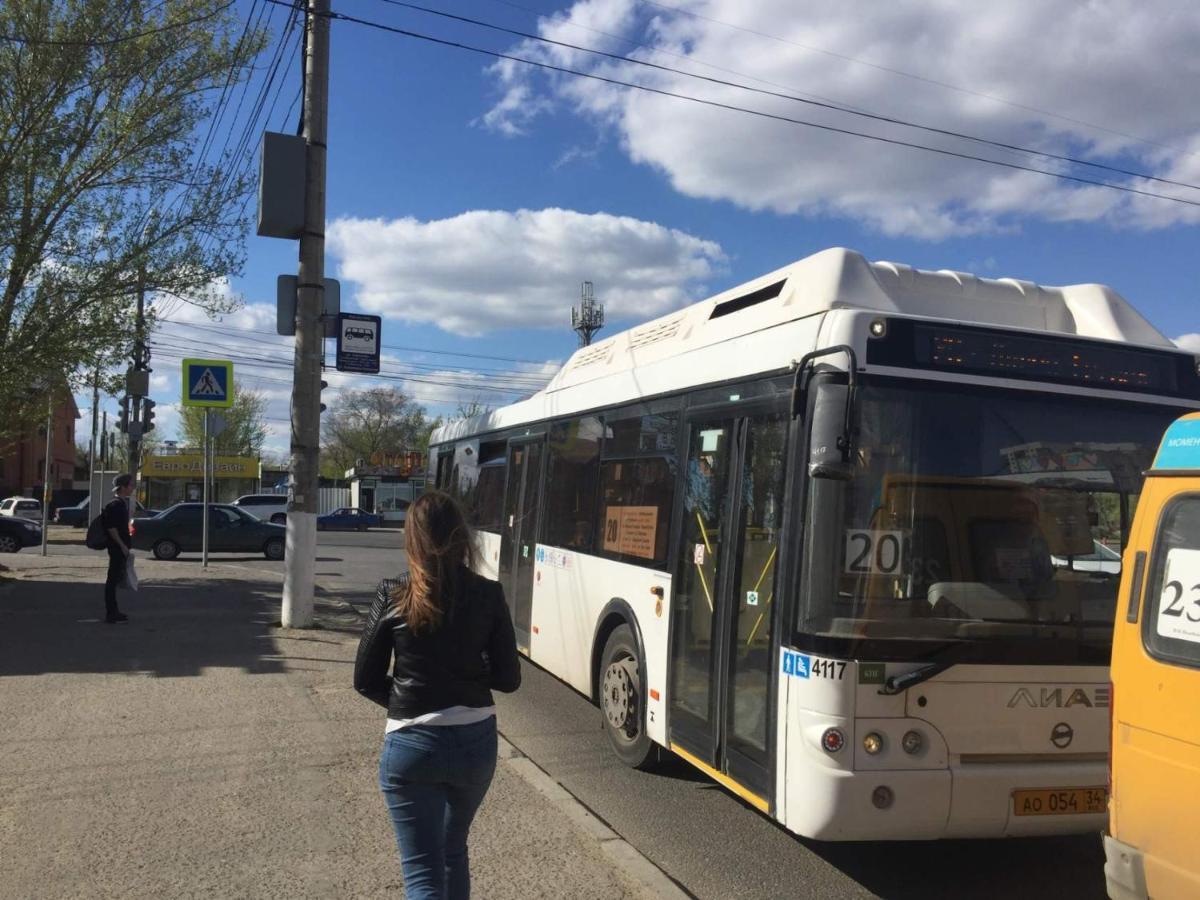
972,801
1124,871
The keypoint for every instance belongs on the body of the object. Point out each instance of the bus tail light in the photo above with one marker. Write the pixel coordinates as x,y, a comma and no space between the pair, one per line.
873,743
833,740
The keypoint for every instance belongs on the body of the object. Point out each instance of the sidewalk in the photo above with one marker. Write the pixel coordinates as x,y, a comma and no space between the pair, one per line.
203,751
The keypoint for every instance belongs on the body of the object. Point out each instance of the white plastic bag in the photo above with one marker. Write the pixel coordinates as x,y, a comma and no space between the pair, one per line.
131,579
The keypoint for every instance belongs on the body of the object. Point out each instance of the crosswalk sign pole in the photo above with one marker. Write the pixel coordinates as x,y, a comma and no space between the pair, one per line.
204,514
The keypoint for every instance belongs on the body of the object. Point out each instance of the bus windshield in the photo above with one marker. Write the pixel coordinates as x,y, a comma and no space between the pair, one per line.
976,515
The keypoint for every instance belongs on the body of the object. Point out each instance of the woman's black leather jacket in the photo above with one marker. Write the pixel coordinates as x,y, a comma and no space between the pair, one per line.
459,663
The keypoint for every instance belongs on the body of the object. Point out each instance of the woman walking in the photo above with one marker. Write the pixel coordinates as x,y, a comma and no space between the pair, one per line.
451,638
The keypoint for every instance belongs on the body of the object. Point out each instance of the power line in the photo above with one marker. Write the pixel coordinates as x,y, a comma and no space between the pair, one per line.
893,71
479,384
251,363
662,51
753,112
512,377
820,104
537,362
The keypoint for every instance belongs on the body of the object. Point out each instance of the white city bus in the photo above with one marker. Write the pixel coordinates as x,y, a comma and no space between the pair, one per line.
842,537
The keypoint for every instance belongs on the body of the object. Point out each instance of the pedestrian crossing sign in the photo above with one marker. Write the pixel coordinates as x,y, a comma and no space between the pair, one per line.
208,382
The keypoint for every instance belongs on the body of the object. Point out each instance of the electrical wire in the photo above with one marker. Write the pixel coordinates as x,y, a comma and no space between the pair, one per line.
509,376
933,81
820,104
536,362
753,112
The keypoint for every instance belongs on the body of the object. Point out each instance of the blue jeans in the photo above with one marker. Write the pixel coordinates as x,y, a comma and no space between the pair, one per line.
433,780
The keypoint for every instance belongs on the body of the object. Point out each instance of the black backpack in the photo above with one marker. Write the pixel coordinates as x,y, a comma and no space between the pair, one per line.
96,538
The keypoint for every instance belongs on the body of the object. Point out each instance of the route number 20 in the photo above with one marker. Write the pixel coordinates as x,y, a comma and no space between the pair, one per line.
874,552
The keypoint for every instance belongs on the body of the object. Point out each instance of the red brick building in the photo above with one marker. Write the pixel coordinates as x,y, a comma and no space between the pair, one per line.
22,461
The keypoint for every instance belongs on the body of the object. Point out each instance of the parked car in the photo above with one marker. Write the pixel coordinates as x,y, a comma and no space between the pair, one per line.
17,532
78,517
266,507
22,508
348,518
230,530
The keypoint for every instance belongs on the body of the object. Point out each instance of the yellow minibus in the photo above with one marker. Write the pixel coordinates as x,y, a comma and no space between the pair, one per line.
1154,805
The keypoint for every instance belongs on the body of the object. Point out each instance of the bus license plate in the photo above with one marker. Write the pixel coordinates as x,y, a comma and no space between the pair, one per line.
1060,801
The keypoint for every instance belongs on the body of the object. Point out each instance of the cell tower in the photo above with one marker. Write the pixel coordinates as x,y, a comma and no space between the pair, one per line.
589,318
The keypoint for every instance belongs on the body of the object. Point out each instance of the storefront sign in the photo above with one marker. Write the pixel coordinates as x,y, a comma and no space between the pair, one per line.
188,465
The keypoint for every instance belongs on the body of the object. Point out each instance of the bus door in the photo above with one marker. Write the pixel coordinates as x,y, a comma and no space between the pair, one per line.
518,535
725,594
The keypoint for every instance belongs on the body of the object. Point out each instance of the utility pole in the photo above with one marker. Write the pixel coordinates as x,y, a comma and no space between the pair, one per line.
302,510
92,443
46,470
589,318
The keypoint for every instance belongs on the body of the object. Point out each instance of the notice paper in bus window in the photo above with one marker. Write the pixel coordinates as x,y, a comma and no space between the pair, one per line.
1179,605
631,530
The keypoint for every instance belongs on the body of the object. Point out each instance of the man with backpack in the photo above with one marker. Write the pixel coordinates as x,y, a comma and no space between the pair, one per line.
115,521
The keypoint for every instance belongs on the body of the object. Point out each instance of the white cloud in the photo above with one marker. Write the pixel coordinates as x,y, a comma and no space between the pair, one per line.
1189,342
1079,63
488,269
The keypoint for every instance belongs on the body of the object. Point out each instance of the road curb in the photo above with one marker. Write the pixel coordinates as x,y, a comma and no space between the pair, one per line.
649,879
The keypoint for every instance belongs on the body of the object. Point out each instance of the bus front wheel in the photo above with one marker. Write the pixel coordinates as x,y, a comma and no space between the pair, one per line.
622,700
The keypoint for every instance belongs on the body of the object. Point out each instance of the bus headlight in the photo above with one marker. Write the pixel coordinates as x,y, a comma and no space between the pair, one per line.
833,740
912,742
873,743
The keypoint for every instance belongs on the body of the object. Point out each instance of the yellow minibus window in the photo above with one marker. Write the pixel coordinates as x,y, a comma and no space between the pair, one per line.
1171,627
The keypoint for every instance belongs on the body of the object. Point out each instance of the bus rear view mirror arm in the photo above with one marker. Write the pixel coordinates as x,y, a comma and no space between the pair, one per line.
831,447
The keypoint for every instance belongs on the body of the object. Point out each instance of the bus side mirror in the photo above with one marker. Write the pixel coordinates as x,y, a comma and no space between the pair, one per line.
830,448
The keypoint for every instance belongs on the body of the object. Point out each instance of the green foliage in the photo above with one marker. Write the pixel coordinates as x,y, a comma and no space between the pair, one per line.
245,427
363,423
103,109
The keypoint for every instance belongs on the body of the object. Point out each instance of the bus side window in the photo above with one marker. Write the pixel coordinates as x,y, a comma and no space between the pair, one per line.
634,520
570,504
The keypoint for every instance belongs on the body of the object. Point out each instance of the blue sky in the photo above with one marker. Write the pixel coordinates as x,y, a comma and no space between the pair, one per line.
467,199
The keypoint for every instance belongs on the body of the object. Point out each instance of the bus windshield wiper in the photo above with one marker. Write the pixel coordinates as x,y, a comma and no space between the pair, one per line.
897,684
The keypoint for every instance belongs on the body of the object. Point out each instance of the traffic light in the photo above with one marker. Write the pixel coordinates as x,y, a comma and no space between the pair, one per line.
123,424
324,384
147,414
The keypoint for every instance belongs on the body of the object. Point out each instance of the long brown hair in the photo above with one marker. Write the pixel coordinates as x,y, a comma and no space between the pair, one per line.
439,545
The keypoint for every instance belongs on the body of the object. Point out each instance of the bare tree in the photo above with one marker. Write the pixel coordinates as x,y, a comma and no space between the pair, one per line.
363,424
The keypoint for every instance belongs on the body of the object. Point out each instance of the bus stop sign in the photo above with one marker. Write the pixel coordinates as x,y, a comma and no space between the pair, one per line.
358,339
208,383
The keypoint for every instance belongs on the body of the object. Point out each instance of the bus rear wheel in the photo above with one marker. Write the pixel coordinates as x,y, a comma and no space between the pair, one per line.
622,700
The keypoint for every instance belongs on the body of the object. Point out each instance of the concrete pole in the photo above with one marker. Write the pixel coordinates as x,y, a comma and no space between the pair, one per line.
92,444
204,511
297,611
46,472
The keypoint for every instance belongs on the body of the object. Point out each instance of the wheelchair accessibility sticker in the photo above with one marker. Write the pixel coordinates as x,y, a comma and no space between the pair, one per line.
796,664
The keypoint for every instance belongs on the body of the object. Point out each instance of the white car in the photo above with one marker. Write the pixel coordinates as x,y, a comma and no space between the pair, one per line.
265,507
22,508
1102,560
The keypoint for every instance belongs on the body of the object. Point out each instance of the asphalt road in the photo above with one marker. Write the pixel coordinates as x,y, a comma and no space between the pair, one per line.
710,842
